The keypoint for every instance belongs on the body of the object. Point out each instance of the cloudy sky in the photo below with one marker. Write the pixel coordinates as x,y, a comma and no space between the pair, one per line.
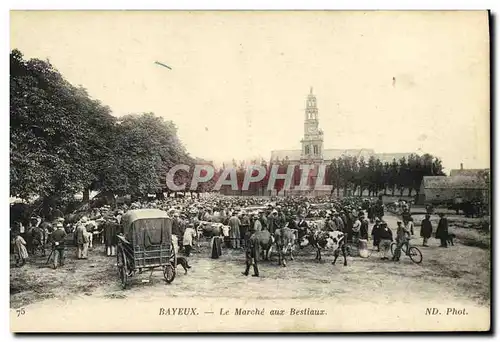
390,81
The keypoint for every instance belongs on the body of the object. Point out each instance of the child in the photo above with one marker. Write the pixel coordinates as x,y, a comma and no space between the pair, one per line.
21,253
187,240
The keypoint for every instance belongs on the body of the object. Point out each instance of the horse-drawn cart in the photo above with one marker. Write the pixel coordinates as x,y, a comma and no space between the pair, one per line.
146,243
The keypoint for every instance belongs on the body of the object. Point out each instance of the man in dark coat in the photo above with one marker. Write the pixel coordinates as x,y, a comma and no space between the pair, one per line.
251,256
442,230
376,232
245,226
426,229
363,232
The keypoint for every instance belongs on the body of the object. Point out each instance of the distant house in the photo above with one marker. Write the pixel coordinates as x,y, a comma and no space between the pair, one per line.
439,189
470,172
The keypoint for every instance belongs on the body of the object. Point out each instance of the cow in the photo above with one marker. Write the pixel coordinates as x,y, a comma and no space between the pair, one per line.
95,229
211,229
316,224
285,239
264,242
318,239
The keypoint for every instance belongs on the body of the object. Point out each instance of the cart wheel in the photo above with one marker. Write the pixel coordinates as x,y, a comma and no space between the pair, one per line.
122,267
169,273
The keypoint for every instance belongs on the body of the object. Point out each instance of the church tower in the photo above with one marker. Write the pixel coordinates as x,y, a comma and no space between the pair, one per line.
312,143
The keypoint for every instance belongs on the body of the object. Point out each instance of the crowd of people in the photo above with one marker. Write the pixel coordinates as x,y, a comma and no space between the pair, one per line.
244,215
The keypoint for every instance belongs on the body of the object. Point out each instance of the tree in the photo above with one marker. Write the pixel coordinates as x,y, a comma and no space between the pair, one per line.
50,125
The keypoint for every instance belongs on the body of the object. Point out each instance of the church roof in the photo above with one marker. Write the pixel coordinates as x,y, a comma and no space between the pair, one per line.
329,154
389,157
282,154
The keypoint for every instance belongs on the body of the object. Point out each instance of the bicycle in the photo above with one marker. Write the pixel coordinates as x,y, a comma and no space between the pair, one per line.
413,252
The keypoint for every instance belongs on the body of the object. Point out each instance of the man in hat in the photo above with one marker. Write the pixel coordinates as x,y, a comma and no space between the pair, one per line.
338,221
376,234
379,208
385,236
426,229
272,221
329,223
251,256
234,233
256,226
58,237
356,228
408,223
245,226
442,230
363,231
81,239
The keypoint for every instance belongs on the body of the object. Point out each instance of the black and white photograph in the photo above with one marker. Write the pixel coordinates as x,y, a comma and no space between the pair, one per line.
249,171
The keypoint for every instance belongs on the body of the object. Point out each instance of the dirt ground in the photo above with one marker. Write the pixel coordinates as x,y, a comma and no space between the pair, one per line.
460,273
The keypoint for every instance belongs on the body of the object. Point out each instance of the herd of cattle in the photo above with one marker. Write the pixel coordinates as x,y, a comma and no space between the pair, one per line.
284,240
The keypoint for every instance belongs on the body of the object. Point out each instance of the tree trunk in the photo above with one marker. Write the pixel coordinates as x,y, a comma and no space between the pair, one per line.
160,196
393,190
338,192
86,195
409,192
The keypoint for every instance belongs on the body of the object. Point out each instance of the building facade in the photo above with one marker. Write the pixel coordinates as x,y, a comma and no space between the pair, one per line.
313,151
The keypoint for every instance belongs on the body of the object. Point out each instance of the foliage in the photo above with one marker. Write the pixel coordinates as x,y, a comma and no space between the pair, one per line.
62,141
375,176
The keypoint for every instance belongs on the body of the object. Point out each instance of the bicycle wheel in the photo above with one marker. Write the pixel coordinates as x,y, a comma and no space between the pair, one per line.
415,255
393,248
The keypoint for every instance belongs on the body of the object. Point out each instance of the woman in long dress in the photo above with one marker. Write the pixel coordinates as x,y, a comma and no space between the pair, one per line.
21,253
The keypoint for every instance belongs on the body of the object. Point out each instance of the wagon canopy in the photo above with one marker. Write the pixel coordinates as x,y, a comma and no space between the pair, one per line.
147,227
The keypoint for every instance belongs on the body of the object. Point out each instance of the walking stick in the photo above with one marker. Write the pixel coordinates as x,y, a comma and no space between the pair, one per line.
48,259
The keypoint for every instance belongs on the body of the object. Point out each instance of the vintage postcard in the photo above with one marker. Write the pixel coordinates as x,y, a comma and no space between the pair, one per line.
250,171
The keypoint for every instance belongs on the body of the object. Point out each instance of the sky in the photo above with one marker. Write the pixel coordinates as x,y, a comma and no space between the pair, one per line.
390,81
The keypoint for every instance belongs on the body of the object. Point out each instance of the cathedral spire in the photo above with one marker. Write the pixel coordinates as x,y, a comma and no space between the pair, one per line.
311,91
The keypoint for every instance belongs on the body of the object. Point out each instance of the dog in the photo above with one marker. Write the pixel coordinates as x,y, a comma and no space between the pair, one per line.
450,238
184,263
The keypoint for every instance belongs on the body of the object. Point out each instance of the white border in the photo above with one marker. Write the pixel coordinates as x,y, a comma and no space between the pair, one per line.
178,5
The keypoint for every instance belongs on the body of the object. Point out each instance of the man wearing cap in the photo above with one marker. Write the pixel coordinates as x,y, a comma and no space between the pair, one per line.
426,229
402,237
376,234
58,236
